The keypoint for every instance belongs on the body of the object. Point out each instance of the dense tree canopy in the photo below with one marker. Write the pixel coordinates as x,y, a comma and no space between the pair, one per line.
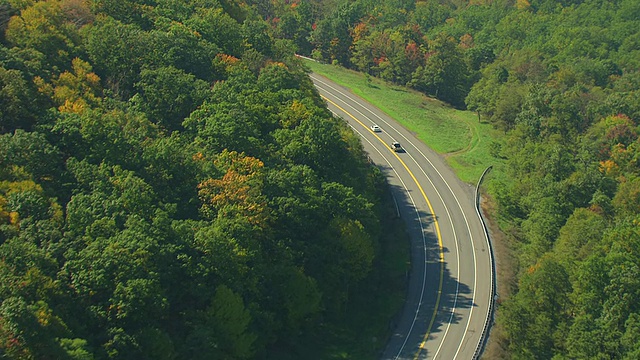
171,185
561,79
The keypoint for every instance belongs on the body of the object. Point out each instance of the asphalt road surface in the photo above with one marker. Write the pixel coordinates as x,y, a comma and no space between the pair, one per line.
449,288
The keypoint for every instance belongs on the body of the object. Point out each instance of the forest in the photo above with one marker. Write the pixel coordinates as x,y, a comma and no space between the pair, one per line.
171,185
561,80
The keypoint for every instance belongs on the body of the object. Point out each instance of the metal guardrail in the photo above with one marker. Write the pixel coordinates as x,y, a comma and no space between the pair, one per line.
489,320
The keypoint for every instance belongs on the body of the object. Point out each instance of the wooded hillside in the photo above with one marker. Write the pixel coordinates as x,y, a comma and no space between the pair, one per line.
171,185
562,80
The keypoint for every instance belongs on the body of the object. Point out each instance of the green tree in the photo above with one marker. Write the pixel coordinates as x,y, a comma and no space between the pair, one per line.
20,102
579,237
43,27
331,35
445,74
257,35
76,349
218,27
127,11
484,93
172,171
300,297
225,126
222,330
627,199
117,52
508,105
429,14
539,306
114,137
228,247
176,45
168,95
32,152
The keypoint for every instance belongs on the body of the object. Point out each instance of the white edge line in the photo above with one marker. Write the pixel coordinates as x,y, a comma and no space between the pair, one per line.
424,245
452,193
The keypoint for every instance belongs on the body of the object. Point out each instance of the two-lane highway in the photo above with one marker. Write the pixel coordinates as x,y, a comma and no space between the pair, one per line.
449,288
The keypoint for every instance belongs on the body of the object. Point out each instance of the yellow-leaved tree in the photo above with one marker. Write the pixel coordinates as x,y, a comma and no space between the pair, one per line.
73,91
238,192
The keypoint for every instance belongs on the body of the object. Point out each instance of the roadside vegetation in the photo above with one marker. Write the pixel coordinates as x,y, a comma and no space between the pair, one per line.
172,187
456,134
560,83
167,191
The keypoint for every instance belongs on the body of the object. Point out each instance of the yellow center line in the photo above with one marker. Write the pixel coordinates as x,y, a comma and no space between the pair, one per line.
433,215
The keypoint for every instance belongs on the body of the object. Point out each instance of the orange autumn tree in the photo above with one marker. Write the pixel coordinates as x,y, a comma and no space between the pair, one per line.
238,192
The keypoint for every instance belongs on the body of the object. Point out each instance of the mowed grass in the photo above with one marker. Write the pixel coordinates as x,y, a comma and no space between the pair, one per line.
455,134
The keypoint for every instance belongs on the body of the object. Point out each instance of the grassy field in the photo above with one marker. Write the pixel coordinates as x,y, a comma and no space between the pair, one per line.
456,134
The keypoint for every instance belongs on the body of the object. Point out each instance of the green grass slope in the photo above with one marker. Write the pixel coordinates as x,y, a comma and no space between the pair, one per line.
457,135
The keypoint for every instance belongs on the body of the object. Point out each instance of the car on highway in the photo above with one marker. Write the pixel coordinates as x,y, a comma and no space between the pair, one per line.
395,146
376,128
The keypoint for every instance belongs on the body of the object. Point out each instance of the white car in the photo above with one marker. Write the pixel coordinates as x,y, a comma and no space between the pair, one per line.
376,128
395,146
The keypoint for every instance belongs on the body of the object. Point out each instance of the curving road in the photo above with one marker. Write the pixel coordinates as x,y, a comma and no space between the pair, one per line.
449,288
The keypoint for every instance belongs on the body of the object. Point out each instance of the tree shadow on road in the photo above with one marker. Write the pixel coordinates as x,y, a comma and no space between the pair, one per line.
437,276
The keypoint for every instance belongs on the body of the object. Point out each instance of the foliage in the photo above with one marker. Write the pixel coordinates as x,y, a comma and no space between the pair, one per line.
559,79
171,184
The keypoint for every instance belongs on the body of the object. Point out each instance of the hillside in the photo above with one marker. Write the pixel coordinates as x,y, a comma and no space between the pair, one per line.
172,187
560,80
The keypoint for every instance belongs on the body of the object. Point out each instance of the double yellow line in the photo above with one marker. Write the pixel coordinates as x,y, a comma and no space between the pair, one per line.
433,215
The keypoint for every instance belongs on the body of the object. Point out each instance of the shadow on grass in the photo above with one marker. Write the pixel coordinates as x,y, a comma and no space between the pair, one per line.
399,89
